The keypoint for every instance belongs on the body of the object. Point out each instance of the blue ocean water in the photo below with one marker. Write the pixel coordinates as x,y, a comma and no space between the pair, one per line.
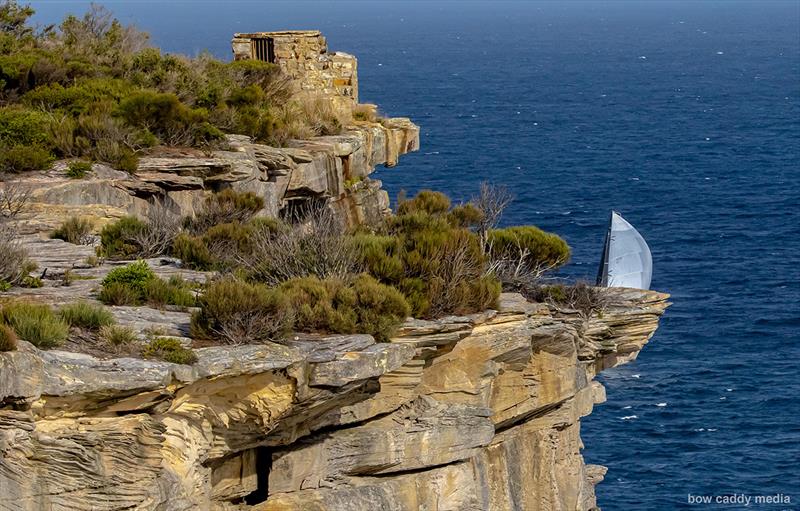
684,116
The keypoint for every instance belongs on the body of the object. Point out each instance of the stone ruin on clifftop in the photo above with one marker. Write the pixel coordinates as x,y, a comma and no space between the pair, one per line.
303,55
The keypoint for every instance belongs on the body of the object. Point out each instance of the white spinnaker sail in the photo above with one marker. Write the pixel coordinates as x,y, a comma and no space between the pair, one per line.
627,261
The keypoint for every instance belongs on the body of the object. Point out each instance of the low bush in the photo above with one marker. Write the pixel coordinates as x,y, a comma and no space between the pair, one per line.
236,312
169,349
221,247
365,112
426,201
439,266
581,297
332,306
8,338
175,291
78,169
225,207
137,283
35,323
14,263
230,242
162,225
135,275
118,293
117,336
31,282
193,252
168,119
24,143
75,230
529,247
86,315
14,197
320,247
132,237
118,239
23,127
18,158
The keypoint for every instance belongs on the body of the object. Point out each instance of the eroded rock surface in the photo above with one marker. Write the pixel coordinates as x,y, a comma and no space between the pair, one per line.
463,413
334,169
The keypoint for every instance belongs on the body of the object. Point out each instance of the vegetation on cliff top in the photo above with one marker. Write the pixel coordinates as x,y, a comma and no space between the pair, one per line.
314,275
93,88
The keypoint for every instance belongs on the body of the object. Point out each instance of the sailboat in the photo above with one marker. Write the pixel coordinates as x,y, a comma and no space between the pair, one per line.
626,260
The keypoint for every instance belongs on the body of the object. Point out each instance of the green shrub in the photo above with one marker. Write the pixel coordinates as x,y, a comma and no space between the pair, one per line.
35,323
117,336
23,127
118,239
426,201
75,230
236,312
232,240
137,283
439,266
332,306
24,142
175,291
118,293
166,117
8,339
136,275
227,206
220,247
169,349
31,282
465,215
78,169
86,315
529,245
24,158
192,252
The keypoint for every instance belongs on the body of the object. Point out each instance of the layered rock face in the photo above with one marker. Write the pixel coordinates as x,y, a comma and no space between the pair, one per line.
463,413
332,169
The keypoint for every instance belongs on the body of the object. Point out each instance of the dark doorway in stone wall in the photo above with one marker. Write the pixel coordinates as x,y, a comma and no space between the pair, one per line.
264,49
263,466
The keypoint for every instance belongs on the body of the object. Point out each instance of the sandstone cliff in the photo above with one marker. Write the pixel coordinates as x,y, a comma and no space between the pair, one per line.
461,413
332,168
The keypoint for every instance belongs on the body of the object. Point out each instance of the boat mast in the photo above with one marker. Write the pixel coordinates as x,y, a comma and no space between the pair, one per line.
602,272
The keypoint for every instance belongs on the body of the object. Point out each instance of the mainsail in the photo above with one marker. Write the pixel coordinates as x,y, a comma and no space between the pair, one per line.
626,258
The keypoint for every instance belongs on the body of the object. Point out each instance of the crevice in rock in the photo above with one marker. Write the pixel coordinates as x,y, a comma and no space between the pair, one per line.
263,467
412,471
534,414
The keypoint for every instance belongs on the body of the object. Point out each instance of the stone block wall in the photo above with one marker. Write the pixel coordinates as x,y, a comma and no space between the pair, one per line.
303,55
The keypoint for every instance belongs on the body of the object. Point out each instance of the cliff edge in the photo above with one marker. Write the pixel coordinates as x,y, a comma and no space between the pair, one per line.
477,412
462,413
